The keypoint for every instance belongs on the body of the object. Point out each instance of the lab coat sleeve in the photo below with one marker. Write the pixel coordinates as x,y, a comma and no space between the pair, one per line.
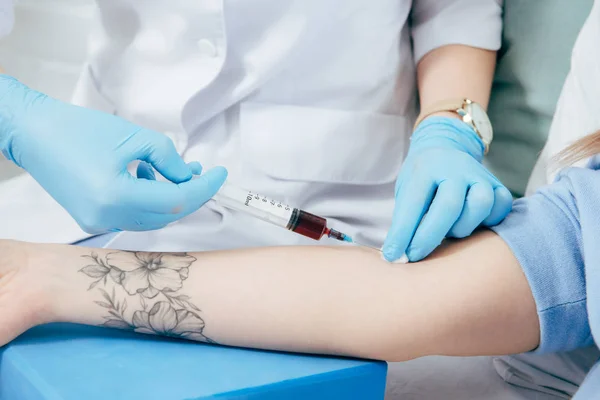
7,17
436,23
544,233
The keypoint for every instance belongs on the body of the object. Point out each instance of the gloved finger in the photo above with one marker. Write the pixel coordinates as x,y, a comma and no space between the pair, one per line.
195,167
201,189
149,222
169,198
93,229
503,201
150,196
412,200
477,207
445,209
159,151
145,171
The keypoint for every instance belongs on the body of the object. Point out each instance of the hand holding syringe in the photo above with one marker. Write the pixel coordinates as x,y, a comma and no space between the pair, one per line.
278,213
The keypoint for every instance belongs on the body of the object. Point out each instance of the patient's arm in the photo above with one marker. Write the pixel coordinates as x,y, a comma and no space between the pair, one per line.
470,298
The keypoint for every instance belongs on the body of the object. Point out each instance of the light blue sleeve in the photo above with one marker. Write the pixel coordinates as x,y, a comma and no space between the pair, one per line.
544,233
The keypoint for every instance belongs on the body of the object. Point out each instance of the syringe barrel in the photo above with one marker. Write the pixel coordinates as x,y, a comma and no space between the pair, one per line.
307,224
259,206
273,211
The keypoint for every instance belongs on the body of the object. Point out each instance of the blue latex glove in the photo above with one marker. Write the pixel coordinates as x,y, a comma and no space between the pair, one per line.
80,157
443,190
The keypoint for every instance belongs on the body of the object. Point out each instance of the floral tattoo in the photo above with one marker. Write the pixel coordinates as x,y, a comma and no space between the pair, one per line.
150,278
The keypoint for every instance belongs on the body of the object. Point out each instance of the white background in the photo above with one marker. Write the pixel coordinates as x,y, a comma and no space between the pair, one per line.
46,49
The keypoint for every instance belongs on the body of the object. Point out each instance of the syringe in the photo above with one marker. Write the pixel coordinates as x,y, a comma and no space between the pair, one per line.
278,213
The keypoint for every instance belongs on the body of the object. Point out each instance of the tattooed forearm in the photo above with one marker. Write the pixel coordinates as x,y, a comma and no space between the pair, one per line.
152,282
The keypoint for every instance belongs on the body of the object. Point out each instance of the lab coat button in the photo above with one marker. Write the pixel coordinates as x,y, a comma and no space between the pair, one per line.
207,48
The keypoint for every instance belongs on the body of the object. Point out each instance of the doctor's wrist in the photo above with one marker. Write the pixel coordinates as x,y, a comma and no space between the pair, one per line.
446,114
441,131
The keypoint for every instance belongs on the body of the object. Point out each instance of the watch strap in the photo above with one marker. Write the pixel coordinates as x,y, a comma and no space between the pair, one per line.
444,105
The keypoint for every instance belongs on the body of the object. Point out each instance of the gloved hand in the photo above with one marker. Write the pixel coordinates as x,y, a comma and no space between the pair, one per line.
443,190
80,157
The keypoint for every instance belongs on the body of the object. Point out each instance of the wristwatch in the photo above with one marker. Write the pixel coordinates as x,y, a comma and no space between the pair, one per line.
470,113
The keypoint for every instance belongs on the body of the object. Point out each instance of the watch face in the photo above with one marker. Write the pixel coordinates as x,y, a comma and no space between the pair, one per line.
481,122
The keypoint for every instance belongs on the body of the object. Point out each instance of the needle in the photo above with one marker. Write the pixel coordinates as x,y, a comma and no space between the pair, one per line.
346,238
365,245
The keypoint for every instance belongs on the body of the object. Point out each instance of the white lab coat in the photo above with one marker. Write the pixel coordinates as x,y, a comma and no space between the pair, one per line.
307,101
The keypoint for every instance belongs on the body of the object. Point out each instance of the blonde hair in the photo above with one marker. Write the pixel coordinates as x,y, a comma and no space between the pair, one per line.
583,148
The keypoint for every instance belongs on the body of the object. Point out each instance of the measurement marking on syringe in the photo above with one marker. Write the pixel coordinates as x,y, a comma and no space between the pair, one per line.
264,199
277,213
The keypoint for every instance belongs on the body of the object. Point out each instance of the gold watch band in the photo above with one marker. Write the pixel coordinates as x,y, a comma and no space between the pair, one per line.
444,105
